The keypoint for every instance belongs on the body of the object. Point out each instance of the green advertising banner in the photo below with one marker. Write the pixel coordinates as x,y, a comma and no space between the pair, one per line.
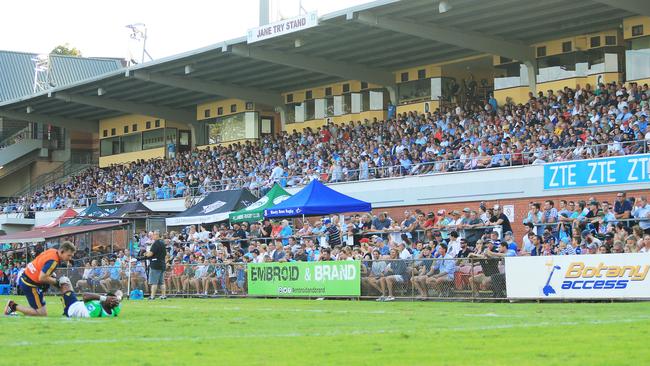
314,279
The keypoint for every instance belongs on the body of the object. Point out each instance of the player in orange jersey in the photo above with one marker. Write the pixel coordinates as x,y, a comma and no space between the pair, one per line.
37,278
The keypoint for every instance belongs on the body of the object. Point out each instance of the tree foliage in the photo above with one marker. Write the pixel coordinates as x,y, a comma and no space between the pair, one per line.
66,49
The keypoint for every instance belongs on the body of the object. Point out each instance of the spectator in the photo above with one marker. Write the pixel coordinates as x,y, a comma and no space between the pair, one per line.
395,273
622,207
333,233
534,217
453,245
641,212
445,266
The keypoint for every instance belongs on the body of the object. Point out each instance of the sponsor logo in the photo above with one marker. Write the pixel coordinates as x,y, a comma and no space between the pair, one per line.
262,201
279,199
579,276
321,273
283,211
213,207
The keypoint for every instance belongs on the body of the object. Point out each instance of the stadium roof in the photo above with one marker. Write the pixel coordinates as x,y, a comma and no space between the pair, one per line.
17,71
364,43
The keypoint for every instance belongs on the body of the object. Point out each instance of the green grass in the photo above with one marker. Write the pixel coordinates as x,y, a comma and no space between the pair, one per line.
302,332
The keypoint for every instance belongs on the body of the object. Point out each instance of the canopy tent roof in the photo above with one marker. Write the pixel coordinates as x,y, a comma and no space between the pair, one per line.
215,207
88,216
317,199
41,235
131,209
67,214
255,212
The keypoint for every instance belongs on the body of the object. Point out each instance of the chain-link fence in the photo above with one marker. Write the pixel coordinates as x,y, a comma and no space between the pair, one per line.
423,279
381,279
183,280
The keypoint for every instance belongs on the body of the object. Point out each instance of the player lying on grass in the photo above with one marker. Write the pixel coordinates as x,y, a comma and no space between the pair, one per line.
91,306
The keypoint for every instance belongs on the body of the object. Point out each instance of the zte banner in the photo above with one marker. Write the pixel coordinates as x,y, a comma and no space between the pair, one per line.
313,279
601,276
633,169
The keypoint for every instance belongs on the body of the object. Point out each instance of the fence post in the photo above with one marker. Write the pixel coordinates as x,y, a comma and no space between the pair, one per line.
471,278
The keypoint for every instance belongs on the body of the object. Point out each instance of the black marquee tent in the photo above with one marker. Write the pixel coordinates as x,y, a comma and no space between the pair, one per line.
215,207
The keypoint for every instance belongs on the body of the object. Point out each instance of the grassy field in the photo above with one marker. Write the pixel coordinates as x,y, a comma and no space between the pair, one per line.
267,332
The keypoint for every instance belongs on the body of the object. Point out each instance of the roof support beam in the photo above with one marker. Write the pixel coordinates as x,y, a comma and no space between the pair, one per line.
72,124
216,88
129,107
640,7
343,70
466,39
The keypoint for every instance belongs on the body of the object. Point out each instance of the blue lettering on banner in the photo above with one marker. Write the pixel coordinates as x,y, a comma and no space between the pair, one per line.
597,172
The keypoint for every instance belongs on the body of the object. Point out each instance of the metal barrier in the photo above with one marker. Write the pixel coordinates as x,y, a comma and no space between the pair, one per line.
382,279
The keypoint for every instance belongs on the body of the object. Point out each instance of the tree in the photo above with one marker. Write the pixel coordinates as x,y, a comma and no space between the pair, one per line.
66,49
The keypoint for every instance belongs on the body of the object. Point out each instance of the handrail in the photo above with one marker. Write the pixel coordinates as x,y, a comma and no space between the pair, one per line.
14,135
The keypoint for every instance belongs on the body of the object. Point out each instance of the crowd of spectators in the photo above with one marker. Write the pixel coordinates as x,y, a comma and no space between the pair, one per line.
568,124
422,249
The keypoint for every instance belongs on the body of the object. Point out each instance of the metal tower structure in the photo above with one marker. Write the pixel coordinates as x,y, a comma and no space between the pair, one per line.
139,35
42,80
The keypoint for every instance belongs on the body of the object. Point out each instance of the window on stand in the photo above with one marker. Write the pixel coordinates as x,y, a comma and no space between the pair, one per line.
153,139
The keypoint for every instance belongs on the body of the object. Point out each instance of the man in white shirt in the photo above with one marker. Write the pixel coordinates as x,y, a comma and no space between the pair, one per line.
646,244
276,173
641,212
454,244
403,252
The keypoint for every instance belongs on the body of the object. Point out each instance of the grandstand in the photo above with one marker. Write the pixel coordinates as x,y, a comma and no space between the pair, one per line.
489,152
485,104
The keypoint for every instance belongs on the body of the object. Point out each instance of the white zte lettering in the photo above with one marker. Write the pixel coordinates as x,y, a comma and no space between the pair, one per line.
566,175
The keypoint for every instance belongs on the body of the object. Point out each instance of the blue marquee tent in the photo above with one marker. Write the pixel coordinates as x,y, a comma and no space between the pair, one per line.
317,199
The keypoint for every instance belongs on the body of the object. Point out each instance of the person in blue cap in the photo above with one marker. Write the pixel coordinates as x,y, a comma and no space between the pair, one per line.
565,247
588,237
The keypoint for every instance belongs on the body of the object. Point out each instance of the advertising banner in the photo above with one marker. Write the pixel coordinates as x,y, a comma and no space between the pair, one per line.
313,279
598,276
632,169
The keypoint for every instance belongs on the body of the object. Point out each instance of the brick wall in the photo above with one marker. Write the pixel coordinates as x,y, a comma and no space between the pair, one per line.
521,206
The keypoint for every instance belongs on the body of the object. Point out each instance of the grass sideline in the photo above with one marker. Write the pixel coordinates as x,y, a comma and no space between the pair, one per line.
269,332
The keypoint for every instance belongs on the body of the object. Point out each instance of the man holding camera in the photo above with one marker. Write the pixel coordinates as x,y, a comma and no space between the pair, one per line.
157,255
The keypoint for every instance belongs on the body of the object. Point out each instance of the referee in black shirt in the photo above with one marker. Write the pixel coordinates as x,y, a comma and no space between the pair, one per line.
157,255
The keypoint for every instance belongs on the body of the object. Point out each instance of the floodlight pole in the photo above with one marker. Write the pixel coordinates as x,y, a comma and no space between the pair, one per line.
144,44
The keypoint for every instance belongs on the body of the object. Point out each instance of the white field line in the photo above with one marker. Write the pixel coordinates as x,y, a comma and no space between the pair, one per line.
317,310
311,334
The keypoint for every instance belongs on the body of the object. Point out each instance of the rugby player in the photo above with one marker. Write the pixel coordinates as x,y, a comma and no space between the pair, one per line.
91,306
37,278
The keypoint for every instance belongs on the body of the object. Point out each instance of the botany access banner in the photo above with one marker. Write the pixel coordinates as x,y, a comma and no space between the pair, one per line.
313,279
598,276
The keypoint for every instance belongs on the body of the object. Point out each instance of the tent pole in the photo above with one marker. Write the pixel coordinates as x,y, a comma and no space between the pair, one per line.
128,284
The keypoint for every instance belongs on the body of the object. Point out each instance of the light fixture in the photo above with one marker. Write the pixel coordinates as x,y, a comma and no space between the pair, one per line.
29,109
297,42
101,91
188,69
443,6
